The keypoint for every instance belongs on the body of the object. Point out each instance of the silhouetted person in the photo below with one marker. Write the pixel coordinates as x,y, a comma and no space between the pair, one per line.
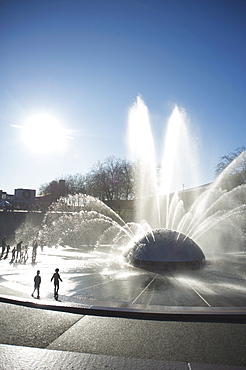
37,282
7,252
21,256
13,254
4,244
18,250
34,252
56,277
26,253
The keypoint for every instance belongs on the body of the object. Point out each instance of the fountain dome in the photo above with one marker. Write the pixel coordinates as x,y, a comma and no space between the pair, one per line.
162,248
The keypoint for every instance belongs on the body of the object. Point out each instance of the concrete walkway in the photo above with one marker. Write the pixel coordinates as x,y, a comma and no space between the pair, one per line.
33,337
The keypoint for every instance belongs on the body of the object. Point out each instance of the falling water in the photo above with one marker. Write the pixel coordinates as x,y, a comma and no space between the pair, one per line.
213,216
179,162
142,153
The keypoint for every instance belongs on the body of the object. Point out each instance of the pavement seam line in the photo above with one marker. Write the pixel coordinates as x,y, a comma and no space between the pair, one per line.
144,289
65,331
199,295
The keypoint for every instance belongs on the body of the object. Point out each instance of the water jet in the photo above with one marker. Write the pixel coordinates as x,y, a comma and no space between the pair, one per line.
172,230
170,227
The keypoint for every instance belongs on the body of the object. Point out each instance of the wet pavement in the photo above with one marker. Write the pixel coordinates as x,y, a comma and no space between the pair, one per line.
100,276
38,334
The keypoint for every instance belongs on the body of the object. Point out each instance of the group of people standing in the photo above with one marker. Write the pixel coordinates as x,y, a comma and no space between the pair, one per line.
19,253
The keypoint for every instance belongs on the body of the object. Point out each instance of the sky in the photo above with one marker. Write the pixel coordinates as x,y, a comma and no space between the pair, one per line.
70,70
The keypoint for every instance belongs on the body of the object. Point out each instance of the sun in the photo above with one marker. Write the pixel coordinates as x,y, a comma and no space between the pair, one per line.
43,133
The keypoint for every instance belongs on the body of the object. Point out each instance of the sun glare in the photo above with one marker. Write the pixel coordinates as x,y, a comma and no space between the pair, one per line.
43,133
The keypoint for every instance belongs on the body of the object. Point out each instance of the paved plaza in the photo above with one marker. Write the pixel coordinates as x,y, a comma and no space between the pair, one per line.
111,315
102,275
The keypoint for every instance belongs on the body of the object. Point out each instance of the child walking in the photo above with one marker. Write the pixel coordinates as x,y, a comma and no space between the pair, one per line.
37,282
56,277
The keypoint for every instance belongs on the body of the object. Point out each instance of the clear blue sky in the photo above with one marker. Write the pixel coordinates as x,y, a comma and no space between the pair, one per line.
83,62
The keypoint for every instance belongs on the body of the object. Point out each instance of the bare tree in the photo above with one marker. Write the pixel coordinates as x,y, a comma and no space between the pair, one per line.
75,184
237,175
109,180
225,160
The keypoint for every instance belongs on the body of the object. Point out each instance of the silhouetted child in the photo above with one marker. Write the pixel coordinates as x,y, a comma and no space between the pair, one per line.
13,254
37,282
7,252
4,245
18,250
34,252
56,277
26,253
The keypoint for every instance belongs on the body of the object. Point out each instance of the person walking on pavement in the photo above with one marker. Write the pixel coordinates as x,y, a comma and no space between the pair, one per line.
37,282
56,277
13,255
34,251
18,249
7,252
4,244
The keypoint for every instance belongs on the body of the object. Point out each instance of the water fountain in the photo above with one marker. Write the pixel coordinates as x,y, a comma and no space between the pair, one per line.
170,229
156,259
208,219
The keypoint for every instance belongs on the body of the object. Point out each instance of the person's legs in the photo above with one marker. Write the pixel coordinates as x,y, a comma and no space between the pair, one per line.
33,291
56,290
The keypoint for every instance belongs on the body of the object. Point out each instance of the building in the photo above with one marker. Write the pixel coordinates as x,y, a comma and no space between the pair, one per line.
23,199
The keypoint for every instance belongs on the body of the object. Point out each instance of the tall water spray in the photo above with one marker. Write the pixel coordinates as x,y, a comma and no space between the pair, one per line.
211,217
172,227
178,163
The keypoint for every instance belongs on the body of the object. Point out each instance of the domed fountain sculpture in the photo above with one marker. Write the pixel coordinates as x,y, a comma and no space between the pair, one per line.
163,248
169,226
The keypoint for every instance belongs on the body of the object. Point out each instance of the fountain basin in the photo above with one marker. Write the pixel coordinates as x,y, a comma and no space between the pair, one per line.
164,248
